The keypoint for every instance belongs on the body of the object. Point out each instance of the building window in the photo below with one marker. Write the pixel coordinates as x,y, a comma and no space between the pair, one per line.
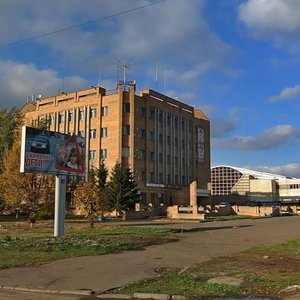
92,155
161,116
183,124
104,132
152,177
169,120
160,138
160,157
168,179
151,115
176,179
151,136
92,133
81,133
160,176
51,120
71,117
142,111
176,122
126,107
176,142
93,112
142,154
151,156
81,115
176,160
169,159
126,129
125,151
104,111
168,140
143,176
61,118
103,153
142,134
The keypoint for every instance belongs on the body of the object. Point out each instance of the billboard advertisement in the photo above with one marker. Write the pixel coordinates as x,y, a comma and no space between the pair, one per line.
44,151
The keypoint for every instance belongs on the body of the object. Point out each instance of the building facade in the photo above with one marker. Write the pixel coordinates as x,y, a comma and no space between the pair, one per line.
238,185
165,142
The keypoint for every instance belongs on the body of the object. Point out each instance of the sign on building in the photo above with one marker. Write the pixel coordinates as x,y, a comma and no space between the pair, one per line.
200,144
44,151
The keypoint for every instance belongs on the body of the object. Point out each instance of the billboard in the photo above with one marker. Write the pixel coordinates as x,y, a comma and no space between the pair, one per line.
44,151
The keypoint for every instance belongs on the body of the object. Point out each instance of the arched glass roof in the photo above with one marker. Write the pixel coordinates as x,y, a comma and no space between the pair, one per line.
255,174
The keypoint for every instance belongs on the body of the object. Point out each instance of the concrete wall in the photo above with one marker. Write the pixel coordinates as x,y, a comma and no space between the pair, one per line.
188,212
289,187
262,186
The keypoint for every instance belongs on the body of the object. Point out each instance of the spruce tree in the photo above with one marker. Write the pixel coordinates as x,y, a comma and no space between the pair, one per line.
99,175
121,191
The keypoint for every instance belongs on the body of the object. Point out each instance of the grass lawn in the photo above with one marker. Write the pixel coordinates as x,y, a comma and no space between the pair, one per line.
22,245
263,271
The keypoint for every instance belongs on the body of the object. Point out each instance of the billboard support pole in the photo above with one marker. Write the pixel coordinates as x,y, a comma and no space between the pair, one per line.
60,199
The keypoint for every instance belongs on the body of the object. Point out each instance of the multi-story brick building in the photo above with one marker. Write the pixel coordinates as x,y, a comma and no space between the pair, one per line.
165,142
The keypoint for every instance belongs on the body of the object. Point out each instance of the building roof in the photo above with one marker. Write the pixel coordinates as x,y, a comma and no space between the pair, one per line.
255,174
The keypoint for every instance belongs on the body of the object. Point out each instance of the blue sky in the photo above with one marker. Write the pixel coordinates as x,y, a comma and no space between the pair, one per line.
237,60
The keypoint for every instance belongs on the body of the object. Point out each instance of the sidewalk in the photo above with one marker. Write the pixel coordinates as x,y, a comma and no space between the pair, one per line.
101,273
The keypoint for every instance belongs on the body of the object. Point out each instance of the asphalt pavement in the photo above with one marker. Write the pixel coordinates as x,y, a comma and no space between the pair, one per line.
197,242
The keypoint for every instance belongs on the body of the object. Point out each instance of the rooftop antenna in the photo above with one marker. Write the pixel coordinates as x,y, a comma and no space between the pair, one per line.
99,75
156,76
63,76
165,81
122,64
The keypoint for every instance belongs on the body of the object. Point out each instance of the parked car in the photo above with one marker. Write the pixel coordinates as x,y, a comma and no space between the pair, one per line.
40,144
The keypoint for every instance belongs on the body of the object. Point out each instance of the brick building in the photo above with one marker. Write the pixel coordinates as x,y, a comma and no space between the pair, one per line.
165,142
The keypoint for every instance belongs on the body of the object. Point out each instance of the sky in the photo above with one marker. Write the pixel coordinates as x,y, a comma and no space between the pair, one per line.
237,60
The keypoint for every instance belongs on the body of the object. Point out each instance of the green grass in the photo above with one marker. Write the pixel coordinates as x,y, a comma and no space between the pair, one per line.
22,245
288,248
261,276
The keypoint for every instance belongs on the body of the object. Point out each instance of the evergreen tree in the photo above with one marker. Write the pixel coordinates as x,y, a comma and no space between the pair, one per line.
121,191
99,175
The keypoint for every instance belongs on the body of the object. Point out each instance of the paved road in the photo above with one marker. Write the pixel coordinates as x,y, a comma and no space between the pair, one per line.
198,243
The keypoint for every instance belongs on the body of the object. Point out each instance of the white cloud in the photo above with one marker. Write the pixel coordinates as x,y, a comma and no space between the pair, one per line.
268,17
18,81
286,94
292,169
275,19
274,137
158,33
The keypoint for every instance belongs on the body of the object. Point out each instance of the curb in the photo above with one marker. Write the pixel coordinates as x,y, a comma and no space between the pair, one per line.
153,296
35,290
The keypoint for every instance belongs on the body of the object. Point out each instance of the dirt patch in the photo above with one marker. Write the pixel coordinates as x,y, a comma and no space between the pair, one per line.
262,274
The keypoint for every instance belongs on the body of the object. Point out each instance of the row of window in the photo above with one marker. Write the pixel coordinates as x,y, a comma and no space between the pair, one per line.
93,114
126,131
294,186
126,153
126,109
